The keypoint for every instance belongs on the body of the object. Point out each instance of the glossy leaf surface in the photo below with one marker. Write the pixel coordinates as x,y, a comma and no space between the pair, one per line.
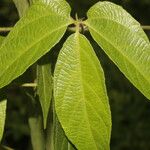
34,35
123,40
80,95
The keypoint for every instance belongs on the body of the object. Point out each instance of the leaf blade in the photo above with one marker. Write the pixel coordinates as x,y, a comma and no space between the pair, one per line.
22,6
37,32
123,40
1,39
44,88
80,95
2,117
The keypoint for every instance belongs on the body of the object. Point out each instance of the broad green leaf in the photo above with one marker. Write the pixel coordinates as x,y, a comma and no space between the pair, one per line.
55,136
60,140
123,40
34,35
1,39
22,6
2,117
44,88
80,95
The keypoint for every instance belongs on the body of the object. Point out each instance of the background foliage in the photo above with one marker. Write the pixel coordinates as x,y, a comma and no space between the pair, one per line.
130,110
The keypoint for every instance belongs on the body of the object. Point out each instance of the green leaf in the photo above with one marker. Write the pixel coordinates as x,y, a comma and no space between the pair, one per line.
80,95
1,39
34,35
22,6
123,40
2,117
55,136
60,139
44,81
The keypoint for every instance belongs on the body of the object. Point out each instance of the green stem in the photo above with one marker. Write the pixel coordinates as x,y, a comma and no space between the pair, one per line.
71,29
5,29
146,27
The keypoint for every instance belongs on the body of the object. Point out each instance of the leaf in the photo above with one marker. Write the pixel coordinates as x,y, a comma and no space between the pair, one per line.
123,40
2,117
60,139
22,6
1,39
80,95
55,136
44,81
33,36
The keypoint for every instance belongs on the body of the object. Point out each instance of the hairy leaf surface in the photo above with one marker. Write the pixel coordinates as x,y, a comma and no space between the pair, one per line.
60,139
22,6
124,41
1,39
80,95
34,35
44,81
2,117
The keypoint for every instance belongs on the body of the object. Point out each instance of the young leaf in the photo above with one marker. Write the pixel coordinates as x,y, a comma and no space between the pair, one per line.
22,6
80,95
44,81
124,41
34,35
2,117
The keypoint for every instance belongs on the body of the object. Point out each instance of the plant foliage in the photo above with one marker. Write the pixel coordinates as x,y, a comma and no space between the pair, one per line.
82,119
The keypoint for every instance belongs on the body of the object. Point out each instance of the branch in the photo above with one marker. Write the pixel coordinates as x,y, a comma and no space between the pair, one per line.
72,29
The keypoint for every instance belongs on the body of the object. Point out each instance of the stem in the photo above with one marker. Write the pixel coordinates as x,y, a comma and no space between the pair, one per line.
29,85
146,27
72,29
5,29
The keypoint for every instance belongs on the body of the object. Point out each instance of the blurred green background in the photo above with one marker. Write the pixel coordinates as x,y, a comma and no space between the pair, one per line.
130,109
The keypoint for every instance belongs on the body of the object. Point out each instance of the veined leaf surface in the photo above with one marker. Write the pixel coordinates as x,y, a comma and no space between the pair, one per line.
34,35
44,88
123,40
22,6
1,39
60,139
2,117
80,95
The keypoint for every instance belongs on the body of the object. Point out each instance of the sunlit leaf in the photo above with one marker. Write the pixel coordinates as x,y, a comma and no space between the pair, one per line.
123,40
1,39
80,95
34,35
22,6
60,139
